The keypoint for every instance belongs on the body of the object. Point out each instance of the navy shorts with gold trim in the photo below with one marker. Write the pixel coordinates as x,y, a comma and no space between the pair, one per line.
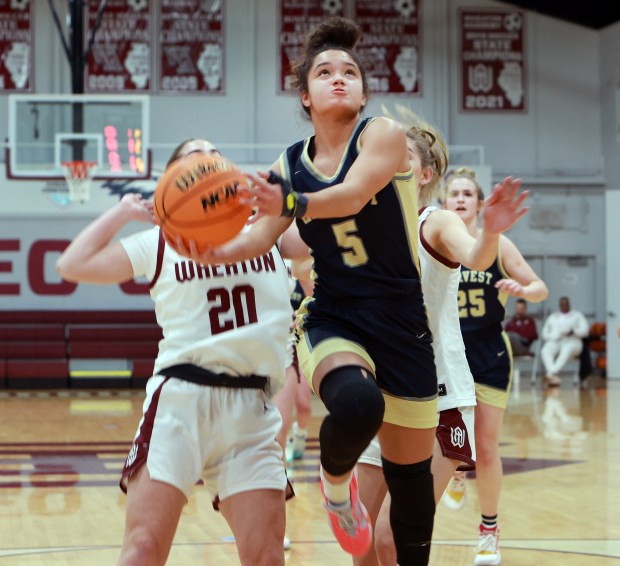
490,360
394,339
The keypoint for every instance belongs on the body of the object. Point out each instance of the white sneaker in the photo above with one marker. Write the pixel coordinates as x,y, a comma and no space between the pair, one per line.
487,553
455,495
299,442
287,543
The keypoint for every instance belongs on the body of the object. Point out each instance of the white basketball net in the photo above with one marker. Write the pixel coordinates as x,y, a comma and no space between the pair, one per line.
79,175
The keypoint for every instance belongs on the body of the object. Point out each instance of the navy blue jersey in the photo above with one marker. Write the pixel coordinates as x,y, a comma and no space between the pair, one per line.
481,305
372,254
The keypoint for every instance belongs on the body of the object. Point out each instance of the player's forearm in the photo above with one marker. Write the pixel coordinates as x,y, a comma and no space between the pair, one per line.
536,291
483,253
92,239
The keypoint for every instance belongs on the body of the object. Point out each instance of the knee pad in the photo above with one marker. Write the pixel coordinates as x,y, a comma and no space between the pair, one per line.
412,511
356,407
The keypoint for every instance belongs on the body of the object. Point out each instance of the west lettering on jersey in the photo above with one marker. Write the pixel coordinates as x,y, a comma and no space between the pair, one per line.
476,277
189,270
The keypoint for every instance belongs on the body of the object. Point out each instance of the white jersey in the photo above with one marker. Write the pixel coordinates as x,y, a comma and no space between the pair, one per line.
440,285
241,314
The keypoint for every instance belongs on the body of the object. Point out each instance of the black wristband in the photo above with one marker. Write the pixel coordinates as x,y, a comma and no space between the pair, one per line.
294,204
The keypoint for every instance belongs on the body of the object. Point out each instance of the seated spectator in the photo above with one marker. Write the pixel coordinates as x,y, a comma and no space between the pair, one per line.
562,333
521,330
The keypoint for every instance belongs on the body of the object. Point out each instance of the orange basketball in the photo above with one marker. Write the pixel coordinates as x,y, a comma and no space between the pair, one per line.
196,198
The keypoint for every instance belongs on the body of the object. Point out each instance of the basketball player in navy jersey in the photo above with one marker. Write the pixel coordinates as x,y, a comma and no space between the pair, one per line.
444,245
207,414
482,297
364,341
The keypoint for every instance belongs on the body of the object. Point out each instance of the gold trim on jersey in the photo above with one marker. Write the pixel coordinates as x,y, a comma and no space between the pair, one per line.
410,413
406,189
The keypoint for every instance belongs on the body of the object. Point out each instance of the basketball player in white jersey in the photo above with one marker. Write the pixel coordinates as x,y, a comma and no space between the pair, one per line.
444,244
207,413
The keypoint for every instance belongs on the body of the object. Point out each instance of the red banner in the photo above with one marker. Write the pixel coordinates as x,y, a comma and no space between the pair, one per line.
192,46
296,19
120,58
493,72
390,45
15,46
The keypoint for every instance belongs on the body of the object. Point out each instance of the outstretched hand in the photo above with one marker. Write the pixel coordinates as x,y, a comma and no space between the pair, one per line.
265,198
503,207
141,210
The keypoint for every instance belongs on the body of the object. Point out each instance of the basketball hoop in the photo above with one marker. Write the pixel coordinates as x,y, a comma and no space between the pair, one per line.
78,175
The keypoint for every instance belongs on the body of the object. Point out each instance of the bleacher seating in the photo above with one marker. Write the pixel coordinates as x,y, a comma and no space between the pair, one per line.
58,349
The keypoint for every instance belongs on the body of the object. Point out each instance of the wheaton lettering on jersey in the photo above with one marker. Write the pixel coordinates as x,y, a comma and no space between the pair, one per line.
189,270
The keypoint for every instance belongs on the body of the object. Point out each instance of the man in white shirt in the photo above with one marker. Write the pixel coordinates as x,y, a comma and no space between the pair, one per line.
562,335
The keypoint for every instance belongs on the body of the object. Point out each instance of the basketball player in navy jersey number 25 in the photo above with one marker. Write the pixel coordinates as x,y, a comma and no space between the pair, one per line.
363,339
207,414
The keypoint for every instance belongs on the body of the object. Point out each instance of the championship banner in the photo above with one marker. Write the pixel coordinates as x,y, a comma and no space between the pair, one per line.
390,46
296,19
493,73
15,46
120,59
191,46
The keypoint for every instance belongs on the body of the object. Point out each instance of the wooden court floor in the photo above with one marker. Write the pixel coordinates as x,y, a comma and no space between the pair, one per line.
61,454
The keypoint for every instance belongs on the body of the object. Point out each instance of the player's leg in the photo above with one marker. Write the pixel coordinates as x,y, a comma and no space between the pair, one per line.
257,520
151,519
372,492
488,425
284,399
406,454
303,409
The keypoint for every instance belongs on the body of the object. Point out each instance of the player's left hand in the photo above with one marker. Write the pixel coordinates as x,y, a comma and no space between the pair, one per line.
511,287
503,207
266,199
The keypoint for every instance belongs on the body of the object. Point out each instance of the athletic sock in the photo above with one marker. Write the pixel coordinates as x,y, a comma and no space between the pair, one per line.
336,493
489,522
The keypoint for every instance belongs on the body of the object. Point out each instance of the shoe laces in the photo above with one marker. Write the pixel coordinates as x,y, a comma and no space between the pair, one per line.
348,520
488,541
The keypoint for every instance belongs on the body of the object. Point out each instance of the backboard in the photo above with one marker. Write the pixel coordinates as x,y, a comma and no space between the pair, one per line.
46,131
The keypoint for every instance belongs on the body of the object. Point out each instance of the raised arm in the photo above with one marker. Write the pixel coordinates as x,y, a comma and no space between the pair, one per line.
256,240
448,234
92,256
383,154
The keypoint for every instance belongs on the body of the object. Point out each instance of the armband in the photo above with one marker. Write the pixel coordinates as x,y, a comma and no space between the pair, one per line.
294,204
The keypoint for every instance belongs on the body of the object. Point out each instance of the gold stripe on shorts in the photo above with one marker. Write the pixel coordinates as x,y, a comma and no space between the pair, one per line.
492,396
310,358
410,413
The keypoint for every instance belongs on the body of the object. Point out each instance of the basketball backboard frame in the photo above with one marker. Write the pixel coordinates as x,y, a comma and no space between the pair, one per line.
112,130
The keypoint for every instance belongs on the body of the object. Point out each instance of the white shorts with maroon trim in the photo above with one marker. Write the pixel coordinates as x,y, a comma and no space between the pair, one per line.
224,436
455,435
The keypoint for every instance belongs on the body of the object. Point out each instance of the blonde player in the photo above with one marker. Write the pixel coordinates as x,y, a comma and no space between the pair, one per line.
207,414
443,245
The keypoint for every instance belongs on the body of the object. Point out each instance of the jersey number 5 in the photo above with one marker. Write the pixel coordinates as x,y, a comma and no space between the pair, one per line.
471,303
240,300
346,237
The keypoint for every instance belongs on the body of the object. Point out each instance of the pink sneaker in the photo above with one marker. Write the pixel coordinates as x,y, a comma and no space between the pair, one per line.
350,523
